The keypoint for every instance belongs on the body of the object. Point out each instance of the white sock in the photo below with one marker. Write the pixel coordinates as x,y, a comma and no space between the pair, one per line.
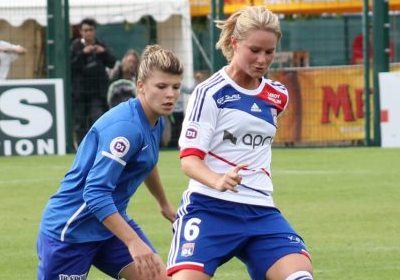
300,275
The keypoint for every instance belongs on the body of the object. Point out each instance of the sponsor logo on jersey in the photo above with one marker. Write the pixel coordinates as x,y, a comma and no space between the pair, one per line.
295,239
119,146
274,97
256,140
145,147
72,277
278,85
255,108
228,98
252,140
187,249
229,136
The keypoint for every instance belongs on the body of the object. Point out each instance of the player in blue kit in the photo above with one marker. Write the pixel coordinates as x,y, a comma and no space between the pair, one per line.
85,223
225,148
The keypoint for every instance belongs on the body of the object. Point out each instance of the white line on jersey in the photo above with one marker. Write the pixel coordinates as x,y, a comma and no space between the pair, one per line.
145,147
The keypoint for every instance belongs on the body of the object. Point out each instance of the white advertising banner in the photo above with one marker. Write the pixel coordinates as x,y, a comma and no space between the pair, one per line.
389,88
32,120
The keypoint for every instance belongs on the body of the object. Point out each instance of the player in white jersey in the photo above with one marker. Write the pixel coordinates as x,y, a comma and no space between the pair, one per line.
229,126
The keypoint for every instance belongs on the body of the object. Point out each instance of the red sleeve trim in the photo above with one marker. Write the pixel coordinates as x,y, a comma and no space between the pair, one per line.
192,152
174,269
305,253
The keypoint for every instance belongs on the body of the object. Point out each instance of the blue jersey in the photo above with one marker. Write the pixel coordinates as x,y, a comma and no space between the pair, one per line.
115,157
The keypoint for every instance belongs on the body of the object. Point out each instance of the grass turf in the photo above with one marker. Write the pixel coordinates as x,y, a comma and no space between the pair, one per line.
343,201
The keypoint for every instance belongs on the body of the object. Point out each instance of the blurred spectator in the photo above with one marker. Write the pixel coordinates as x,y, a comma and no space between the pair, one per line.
358,52
120,91
127,69
89,59
8,53
201,76
176,119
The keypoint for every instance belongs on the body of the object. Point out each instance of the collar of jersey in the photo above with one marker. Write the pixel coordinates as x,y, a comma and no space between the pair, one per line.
143,118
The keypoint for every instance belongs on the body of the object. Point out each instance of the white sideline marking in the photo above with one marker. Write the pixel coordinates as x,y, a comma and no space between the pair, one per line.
319,172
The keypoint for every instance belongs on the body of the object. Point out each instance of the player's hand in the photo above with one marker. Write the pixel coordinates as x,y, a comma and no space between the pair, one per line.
231,179
147,264
168,212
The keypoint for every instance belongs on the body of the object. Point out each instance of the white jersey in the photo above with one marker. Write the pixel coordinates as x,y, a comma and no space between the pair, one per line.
226,125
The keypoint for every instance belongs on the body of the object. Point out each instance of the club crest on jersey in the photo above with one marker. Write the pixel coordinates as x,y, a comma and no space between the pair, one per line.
119,146
187,249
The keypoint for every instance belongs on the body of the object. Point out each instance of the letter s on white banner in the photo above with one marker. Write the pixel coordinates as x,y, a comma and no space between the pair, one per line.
38,120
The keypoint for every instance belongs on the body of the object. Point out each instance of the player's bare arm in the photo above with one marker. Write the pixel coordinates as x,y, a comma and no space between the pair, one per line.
146,262
153,183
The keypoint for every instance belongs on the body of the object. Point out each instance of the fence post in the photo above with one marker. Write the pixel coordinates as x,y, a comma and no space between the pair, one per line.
381,52
367,67
217,13
58,62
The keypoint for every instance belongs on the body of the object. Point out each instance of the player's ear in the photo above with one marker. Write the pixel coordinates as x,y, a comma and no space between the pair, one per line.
139,87
234,42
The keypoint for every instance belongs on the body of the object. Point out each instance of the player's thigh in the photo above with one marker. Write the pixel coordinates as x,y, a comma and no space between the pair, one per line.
59,260
263,252
190,274
114,256
287,265
272,238
207,233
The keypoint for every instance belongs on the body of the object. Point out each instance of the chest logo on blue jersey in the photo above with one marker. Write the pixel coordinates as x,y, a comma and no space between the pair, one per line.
255,108
119,146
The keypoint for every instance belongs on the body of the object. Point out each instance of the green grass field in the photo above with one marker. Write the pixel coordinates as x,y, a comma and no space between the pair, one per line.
343,201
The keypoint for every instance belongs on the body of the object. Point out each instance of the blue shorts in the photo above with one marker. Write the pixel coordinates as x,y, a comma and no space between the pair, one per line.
61,260
209,232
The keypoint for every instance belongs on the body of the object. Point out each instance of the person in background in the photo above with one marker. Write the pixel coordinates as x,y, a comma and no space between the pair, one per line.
120,91
89,59
225,149
8,53
357,55
177,117
85,222
127,69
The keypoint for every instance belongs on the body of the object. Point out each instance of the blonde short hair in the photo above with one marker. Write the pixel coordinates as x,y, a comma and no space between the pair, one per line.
244,21
154,57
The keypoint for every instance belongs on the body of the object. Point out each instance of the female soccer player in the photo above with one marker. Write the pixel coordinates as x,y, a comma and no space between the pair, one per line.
85,223
230,123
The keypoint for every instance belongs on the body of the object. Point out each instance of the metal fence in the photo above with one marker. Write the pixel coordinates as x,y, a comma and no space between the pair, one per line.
316,60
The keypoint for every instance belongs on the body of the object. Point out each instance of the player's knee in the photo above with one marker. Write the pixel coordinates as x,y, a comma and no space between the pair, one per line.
300,275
